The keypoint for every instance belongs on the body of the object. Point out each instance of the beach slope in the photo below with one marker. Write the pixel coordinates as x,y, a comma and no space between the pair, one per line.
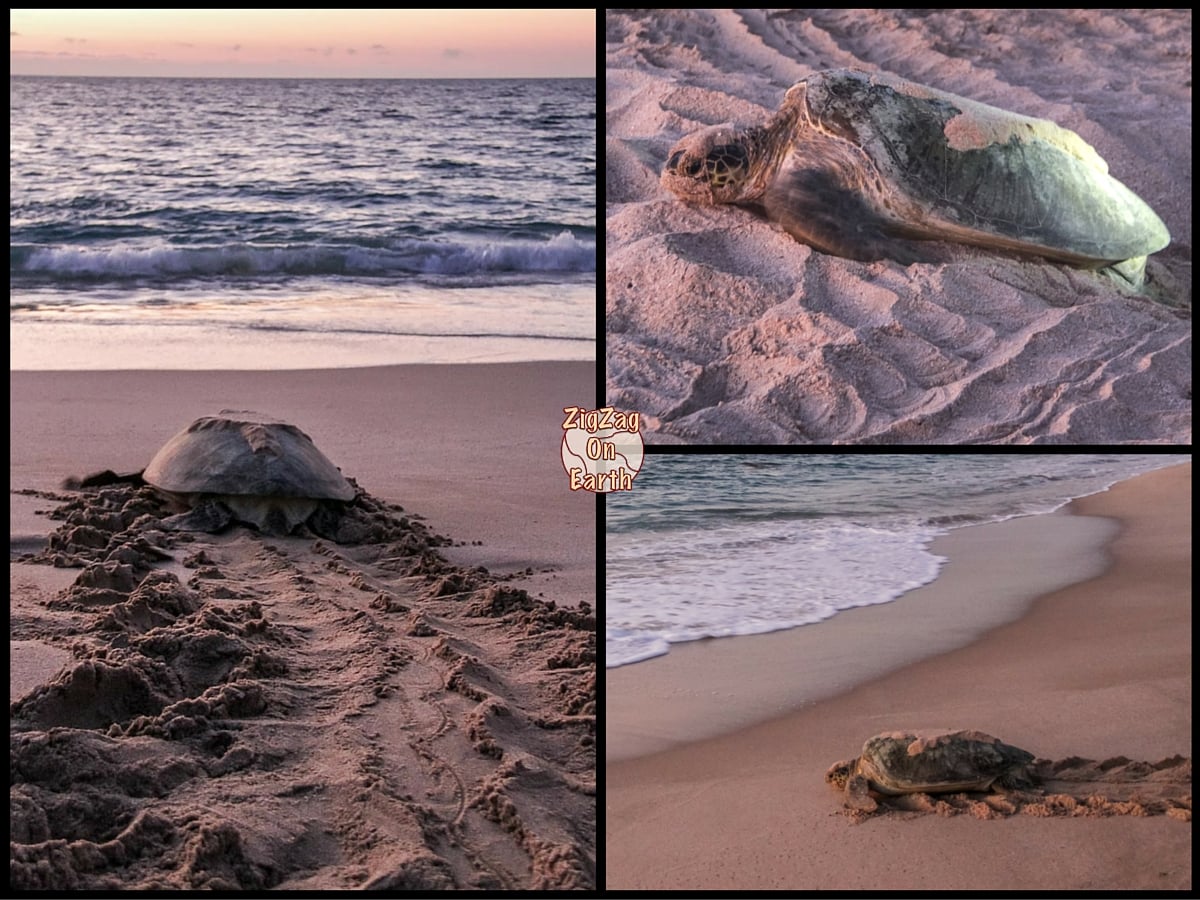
1098,669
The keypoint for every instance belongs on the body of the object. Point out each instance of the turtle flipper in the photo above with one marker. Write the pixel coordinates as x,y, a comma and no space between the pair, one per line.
858,795
820,209
206,515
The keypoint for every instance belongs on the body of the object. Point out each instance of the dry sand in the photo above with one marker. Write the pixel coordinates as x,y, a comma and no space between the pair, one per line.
293,713
723,329
1096,670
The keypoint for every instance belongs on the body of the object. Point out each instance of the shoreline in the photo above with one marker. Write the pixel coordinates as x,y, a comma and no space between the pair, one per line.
762,676
1097,669
93,347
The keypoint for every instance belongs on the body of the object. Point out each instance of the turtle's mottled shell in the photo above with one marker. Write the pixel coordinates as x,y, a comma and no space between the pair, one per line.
854,160
244,454
905,763
244,466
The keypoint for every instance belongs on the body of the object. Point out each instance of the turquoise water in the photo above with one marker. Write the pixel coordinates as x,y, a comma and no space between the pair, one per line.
723,545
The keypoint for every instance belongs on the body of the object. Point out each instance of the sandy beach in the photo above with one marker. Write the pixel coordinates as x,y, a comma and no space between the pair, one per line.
1098,669
412,710
721,328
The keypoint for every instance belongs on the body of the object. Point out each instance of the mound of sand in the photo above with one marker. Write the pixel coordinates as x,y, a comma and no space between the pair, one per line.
242,713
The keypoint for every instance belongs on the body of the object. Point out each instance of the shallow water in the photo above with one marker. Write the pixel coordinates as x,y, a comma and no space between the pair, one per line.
718,546
448,220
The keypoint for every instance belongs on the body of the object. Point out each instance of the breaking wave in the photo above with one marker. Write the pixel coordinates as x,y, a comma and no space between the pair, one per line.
563,253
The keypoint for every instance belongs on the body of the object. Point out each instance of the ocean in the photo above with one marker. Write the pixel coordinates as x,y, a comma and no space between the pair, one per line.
282,223
722,545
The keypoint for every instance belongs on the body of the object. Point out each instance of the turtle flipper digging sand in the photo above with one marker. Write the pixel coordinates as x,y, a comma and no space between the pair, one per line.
901,763
859,164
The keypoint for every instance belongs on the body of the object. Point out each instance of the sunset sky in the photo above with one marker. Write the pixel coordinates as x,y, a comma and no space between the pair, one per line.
328,43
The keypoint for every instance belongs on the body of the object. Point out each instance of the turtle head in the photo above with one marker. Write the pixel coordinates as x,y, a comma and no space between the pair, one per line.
711,166
839,773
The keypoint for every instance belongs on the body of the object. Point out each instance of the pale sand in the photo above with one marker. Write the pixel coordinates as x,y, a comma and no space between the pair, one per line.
992,575
1098,669
338,716
472,448
723,329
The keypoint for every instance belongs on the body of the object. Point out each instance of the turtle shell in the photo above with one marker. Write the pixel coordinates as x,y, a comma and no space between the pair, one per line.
245,454
980,174
858,164
905,763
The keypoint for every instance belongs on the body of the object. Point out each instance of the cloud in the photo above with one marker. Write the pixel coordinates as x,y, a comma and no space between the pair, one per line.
452,53
14,34
379,48
75,40
351,51
236,48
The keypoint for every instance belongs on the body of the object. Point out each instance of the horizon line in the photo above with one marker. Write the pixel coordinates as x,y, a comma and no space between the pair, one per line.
329,77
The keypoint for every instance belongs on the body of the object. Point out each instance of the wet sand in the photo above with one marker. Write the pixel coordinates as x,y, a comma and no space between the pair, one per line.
412,710
992,575
1097,670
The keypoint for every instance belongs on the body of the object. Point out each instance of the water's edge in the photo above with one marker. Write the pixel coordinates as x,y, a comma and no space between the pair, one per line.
993,574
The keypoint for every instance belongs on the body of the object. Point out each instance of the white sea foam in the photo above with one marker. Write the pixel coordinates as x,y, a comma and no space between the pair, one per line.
562,253
752,578
723,545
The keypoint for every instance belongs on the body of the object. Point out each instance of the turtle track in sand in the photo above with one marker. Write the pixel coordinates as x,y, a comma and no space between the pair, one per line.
298,714
1071,787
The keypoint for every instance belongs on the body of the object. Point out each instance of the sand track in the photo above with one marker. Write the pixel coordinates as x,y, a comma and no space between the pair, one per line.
298,714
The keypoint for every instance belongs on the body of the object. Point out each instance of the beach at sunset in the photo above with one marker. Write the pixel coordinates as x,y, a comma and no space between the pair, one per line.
1097,670
378,229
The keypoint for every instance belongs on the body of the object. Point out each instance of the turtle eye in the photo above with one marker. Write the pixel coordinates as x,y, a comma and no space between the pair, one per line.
673,162
693,167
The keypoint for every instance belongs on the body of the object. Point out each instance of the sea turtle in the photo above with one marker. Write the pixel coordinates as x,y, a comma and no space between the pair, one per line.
245,467
853,163
903,762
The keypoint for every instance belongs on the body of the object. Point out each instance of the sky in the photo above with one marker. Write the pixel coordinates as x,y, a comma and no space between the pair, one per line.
304,43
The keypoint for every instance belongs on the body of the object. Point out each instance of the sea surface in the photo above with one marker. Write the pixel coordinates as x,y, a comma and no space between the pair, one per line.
414,220
723,545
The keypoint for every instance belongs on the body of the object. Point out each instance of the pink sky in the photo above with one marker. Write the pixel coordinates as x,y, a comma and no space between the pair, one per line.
330,43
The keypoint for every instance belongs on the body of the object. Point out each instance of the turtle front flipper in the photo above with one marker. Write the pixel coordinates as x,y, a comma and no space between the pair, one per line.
858,795
821,207
844,776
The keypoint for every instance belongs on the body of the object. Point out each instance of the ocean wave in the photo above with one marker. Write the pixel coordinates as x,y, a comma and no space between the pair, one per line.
563,253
